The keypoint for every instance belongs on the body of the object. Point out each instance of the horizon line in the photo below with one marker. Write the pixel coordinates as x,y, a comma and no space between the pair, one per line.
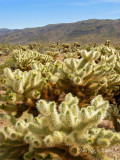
58,24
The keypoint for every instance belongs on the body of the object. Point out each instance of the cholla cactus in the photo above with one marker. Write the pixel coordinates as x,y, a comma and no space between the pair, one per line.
71,55
105,50
113,112
48,70
67,128
24,88
77,44
107,43
23,59
88,77
22,82
53,54
55,128
85,76
76,69
113,115
21,87
66,45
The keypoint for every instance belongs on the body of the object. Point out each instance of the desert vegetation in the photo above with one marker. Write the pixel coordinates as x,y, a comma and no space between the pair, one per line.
60,101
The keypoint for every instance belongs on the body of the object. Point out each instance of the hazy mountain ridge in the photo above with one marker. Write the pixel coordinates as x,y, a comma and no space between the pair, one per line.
83,31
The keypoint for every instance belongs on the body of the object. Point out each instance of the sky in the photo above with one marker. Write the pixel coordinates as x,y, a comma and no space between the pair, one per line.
18,14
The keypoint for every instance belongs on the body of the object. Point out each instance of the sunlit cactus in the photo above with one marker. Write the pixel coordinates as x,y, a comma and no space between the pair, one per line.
67,128
23,59
88,76
52,102
20,88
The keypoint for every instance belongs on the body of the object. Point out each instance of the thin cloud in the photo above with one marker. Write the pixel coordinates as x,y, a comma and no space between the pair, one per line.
105,1
91,2
111,1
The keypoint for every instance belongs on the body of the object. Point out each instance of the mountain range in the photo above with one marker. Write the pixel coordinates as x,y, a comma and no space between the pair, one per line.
87,31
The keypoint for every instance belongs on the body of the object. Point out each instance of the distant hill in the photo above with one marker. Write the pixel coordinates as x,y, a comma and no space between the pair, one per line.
88,31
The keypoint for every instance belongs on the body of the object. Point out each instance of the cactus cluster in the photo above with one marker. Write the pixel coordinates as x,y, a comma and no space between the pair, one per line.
20,88
65,127
55,107
23,59
87,77
24,88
